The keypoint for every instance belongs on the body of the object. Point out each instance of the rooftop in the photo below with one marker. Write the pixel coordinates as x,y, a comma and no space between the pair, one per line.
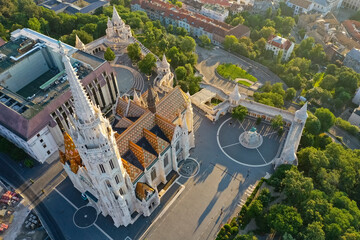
301,3
215,7
354,54
30,98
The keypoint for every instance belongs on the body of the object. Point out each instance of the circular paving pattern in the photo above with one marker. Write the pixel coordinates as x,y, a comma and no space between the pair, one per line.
261,155
85,216
189,167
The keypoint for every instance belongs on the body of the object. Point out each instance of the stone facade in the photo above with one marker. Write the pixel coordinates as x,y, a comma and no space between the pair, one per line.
119,166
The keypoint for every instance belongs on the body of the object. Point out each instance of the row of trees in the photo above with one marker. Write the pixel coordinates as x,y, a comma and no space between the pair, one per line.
317,204
334,88
274,95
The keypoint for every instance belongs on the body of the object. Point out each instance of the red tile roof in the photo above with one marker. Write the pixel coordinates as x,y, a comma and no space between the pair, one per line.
286,45
197,20
352,27
2,42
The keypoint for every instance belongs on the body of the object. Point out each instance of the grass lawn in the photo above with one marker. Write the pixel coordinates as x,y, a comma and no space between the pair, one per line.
215,101
245,83
231,71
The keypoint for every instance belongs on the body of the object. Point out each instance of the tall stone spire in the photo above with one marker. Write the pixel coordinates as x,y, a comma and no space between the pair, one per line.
116,19
83,107
151,99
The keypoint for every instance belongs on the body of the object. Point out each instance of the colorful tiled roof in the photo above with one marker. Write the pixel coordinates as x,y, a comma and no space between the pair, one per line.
143,190
133,171
172,103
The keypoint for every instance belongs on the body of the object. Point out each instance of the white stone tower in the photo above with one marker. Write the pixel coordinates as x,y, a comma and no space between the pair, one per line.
116,30
94,139
235,96
301,114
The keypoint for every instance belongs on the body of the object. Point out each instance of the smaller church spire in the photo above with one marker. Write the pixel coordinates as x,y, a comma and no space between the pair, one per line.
165,63
78,43
301,114
151,99
116,19
235,95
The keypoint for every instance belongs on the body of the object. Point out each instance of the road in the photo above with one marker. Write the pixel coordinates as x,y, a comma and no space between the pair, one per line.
32,192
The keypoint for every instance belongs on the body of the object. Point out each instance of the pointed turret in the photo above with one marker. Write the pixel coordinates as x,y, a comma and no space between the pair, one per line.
164,62
151,99
136,98
301,114
83,107
235,96
116,19
78,43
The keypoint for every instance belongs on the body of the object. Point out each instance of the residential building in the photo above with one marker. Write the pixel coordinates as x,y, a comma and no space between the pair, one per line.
216,12
326,6
196,24
74,6
35,101
353,28
330,33
352,60
277,44
261,6
352,4
300,6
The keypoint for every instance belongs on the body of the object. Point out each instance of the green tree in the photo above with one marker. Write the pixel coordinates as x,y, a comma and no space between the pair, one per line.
277,122
236,21
313,124
255,208
205,41
187,44
290,94
314,231
326,118
284,219
278,88
147,64
297,187
180,73
109,55
230,42
134,52
328,82
240,113
34,24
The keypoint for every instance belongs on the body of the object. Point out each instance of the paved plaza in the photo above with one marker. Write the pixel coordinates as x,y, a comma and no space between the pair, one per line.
228,141
191,208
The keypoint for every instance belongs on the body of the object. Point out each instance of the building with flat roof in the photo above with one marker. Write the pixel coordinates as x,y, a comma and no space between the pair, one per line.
77,6
35,100
216,12
277,44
